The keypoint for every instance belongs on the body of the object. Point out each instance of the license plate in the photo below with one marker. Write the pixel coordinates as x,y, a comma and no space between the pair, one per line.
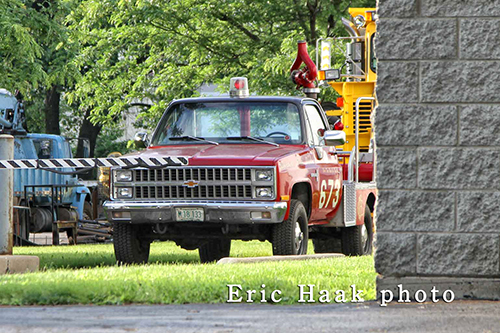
189,214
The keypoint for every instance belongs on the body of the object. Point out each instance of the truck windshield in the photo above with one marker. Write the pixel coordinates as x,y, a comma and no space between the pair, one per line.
43,148
224,122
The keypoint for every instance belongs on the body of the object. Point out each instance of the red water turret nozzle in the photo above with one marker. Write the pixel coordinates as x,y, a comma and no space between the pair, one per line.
306,76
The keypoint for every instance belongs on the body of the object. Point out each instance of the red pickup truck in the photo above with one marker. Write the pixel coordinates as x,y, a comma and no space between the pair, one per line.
261,168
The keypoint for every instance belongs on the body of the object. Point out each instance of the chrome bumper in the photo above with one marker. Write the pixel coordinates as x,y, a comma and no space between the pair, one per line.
231,212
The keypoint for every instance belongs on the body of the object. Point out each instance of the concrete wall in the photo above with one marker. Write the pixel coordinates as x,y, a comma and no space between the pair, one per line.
438,144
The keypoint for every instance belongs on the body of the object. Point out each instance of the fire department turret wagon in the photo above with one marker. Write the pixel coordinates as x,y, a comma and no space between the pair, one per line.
262,168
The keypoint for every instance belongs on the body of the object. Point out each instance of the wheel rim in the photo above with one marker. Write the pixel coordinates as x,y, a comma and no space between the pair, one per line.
299,237
364,238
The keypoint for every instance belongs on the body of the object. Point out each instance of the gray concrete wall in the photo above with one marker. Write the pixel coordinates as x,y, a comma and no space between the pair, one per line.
438,140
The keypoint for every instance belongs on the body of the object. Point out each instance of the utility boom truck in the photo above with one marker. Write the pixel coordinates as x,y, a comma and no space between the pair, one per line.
355,82
44,201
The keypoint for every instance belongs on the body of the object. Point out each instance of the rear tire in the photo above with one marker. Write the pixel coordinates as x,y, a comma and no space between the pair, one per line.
331,245
358,240
129,247
214,249
87,211
291,236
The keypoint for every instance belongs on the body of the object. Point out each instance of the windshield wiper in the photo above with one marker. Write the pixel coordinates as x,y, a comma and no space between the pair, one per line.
194,138
253,139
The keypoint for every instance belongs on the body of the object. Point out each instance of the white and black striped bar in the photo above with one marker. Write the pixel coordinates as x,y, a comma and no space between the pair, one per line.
127,162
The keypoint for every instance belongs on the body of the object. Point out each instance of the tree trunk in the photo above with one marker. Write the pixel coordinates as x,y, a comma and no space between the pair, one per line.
312,26
51,109
88,131
313,7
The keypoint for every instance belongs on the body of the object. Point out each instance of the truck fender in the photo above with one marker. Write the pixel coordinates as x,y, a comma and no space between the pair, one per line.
364,198
308,187
79,200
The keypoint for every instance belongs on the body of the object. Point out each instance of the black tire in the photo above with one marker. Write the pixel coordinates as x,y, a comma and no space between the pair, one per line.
331,245
129,247
25,227
71,237
291,236
354,240
88,212
329,106
214,250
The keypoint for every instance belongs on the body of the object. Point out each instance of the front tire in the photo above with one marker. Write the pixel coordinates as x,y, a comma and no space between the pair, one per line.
291,236
129,246
214,249
358,240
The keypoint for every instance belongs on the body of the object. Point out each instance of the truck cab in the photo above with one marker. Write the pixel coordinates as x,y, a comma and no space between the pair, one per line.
263,168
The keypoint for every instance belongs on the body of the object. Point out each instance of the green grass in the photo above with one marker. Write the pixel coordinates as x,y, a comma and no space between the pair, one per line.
87,274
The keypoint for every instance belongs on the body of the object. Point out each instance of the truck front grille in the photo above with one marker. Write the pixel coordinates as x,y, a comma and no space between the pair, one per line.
200,192
201,174
193,183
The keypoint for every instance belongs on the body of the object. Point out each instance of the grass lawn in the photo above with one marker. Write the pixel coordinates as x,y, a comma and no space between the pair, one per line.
87,274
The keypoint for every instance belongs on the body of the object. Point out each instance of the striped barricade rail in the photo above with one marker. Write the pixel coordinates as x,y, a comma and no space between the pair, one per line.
89,163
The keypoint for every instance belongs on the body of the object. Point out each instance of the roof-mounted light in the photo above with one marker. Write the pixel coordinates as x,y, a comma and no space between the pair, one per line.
359,21
238,87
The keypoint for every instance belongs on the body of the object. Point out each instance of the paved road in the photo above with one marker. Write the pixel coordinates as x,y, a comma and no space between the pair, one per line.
460,316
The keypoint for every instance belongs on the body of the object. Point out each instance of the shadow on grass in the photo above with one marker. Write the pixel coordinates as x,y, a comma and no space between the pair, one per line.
102,255
72,257
74,261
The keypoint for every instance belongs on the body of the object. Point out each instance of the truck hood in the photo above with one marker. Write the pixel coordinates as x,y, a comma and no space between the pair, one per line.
225,154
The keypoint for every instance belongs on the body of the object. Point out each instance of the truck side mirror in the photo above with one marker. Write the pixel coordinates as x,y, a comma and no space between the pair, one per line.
141,140
334,138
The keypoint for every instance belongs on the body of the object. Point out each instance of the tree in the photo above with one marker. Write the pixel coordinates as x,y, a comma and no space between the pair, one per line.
20,52
103,56
56,60
166,49
36,54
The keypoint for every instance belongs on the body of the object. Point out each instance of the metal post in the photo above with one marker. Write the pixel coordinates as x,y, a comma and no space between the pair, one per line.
357,139
6,195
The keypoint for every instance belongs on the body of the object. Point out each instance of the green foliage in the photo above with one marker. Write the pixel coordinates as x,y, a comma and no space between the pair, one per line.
35,117
108,142
174,276
35,51
166,49
106,55
20,52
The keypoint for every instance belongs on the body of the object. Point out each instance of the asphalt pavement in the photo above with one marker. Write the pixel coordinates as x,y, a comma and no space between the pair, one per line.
458,316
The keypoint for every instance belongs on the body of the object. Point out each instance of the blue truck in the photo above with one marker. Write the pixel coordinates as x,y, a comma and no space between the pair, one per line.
44,201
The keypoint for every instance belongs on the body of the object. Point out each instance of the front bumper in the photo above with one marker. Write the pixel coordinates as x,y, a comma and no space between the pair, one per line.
230,212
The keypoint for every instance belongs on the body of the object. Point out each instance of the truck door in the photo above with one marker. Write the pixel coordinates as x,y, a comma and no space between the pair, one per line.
327,180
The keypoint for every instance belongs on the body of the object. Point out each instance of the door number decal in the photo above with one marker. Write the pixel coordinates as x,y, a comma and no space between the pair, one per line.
333,188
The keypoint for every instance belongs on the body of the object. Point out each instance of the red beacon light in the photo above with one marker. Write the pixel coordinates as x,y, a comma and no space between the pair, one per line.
238,87
339,126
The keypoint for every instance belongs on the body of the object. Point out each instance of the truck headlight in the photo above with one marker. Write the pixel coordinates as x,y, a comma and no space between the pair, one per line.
264,192
124,192
263,175
123,176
